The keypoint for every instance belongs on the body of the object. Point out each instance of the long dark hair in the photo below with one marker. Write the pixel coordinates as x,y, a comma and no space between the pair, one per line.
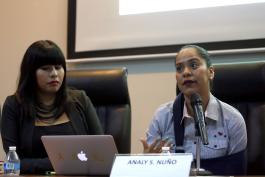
43,52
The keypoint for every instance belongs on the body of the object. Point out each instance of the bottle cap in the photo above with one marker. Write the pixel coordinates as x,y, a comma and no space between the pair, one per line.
165,148
12,148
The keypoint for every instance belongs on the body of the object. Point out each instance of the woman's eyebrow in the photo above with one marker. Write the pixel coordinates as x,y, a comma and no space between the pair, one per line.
193,59
189,60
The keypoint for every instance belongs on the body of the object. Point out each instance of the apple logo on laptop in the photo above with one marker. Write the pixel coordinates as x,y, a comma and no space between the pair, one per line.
82,156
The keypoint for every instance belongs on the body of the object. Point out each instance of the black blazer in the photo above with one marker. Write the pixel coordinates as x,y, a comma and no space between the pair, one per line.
17,130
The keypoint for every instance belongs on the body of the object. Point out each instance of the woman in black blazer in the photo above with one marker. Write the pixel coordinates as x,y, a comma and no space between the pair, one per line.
44,105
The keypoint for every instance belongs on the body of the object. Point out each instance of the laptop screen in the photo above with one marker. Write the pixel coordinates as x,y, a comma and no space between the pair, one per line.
80,154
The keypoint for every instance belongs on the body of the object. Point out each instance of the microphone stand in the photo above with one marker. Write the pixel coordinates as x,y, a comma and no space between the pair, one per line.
198,171
198,154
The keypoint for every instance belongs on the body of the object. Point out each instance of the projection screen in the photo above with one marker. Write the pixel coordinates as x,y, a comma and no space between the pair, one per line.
96,29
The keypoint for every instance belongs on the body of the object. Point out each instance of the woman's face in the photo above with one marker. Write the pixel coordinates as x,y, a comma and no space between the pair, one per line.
192,73
49,78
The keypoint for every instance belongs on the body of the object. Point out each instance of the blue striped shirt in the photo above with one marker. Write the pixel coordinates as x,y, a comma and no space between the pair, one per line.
226,134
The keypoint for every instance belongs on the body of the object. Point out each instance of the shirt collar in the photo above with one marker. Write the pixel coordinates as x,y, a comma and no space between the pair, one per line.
211,111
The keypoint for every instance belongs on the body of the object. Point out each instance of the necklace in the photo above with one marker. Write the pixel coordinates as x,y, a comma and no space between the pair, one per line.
47,113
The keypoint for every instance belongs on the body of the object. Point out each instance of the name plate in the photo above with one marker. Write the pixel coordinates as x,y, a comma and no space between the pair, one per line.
152,165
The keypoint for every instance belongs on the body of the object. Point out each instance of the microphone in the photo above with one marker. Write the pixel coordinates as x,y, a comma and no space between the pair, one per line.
196,104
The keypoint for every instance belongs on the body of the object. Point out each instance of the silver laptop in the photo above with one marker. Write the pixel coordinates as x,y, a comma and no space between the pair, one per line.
80,154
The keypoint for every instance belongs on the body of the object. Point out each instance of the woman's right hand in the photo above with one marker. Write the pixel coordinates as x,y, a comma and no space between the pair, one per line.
155,147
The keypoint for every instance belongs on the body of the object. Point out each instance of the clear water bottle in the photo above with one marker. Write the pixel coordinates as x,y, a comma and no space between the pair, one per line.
12,162
165,150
